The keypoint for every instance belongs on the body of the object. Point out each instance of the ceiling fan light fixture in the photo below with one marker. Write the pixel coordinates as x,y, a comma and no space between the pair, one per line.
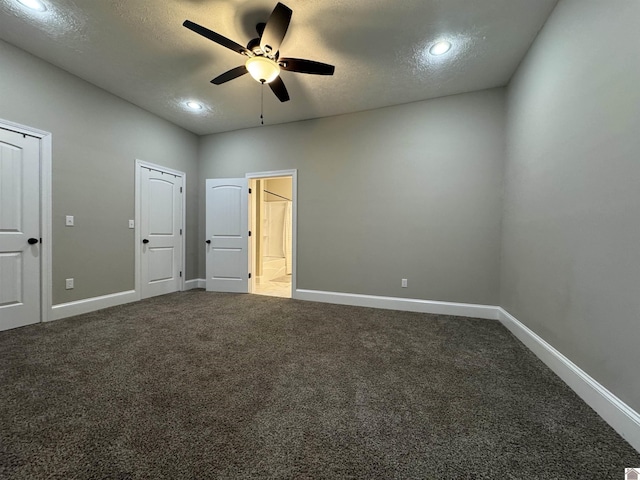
263,69
440,48
36,5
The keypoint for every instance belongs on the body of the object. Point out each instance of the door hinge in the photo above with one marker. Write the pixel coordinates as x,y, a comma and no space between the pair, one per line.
249,232
180,231
180,189
180,274
249,190
249,275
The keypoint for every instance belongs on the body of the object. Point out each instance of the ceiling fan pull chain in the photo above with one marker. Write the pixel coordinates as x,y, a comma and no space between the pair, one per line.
262,103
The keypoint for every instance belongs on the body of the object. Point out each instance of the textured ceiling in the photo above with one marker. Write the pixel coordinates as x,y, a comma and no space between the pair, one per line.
138,50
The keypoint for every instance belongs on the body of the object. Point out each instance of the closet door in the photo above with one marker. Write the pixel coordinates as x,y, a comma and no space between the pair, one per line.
19,230
227,235
161,232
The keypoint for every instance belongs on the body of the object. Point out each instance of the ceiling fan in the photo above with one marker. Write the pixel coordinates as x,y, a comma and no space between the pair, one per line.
264,62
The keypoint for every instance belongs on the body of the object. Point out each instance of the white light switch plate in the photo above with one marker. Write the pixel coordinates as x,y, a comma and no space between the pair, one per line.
132,224
69,221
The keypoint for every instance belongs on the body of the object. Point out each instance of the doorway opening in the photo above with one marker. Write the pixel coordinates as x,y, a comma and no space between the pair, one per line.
271,242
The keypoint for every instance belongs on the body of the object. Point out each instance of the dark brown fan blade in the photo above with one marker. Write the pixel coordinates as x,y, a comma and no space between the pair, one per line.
306,66
277,87
230,75
216,37
275,29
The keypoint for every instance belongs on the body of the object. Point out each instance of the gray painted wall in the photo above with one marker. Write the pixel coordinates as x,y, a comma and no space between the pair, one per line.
570,262
96,139
412,191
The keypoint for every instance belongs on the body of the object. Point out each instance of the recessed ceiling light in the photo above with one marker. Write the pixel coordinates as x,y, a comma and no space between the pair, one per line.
440,48
34,5
194,105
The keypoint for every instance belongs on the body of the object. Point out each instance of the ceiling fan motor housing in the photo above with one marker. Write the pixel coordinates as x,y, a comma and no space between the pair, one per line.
254,47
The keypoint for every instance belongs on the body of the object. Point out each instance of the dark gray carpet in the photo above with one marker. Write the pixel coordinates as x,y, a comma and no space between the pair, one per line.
200,385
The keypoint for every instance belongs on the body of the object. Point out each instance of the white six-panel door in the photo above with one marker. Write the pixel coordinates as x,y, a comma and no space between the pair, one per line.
161,227
19,230
227,228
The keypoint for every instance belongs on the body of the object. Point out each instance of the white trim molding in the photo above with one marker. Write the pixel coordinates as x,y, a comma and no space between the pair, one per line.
489,312
64,310
195,283
620,416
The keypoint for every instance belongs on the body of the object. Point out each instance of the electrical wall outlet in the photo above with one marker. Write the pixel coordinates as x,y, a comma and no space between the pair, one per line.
69,221
404,283
69,284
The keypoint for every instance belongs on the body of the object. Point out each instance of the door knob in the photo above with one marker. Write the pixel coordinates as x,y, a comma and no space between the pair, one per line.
145,241
209,241
32,241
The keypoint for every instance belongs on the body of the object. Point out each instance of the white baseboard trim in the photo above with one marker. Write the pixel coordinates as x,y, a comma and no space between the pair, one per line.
614,411
64,310
195,283
489,312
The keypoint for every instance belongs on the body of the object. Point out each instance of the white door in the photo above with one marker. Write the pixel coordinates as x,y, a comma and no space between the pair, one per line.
19,230
161,228
227,230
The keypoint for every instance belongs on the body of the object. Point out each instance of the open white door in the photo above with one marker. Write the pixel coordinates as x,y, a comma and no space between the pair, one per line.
227,230
19,230
160,232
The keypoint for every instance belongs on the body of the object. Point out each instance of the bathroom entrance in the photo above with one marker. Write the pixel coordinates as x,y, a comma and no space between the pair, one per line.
271,244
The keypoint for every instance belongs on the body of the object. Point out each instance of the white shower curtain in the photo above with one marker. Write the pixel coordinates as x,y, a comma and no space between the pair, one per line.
287,237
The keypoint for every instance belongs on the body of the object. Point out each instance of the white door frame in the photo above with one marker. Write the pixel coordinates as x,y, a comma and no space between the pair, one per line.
137,218
45,212
294,214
